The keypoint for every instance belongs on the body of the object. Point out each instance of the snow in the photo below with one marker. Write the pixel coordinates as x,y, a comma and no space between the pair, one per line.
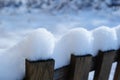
77,41
118,34
38,44
21,38
12,65
105,39
108,1
113,69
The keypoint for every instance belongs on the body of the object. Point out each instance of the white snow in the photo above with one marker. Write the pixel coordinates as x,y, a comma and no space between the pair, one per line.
118,34
108,1
113,69
105,38
77,41
15,24
12,65
39,44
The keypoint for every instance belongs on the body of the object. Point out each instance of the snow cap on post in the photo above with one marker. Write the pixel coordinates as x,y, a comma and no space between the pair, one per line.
39,44
117,29
104,39
77,41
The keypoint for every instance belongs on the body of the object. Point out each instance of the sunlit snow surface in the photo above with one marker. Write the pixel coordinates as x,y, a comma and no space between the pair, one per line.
105,38
16,25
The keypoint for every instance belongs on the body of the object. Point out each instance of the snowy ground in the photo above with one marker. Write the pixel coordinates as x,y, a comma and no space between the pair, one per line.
14,25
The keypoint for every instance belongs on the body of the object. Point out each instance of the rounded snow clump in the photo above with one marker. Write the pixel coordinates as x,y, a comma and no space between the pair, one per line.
104,39
39,44
118,34
77,41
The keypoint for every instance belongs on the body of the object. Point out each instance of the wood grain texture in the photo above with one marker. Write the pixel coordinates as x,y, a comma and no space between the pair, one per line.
80,67
104,64
40,70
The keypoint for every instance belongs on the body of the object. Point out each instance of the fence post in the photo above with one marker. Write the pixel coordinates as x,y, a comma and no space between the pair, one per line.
104,64
117,71
80,67
40,70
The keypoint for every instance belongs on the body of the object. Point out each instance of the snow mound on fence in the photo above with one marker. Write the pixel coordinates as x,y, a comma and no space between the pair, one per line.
12,65
104,39
39,44
118,34
77,41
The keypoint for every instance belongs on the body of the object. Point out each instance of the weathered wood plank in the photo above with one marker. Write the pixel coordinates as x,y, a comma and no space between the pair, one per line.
59,73
80,67
104,64
62,73
117,71
63,78
40,70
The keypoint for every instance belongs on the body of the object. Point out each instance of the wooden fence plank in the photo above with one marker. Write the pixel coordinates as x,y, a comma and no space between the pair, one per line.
117,72
104,64
40,70
62,73
80,67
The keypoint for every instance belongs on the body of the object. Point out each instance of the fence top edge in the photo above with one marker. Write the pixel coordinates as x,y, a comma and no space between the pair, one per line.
107,51
87,55
30,61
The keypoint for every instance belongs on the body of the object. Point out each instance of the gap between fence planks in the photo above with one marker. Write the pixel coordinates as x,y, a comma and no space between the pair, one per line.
101,64
117,71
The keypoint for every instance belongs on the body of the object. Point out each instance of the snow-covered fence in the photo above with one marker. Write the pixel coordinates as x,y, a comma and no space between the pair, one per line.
78,69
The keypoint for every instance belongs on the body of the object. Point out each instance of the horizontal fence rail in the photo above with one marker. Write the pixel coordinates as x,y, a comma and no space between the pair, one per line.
78,69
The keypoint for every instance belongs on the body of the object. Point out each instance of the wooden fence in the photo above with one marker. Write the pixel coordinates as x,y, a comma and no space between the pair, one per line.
78,69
